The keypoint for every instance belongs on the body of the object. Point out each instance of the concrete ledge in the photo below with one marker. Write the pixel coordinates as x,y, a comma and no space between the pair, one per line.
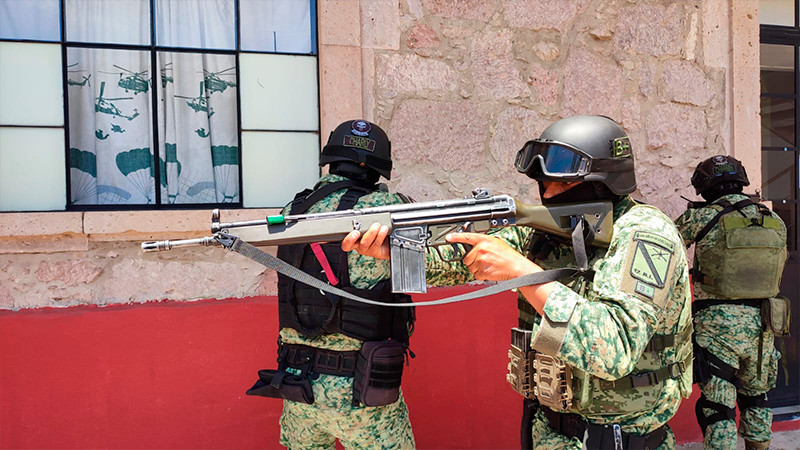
71,231
39,224
67,242
143,225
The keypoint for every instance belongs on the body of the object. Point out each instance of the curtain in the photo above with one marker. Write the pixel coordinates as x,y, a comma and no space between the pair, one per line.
198,128
110,125
111,153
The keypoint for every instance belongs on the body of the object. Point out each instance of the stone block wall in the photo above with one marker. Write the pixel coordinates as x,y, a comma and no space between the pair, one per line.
459,86
471,81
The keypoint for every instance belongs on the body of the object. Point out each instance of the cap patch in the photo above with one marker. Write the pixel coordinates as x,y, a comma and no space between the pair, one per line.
719,159
361,127
621,147
359,142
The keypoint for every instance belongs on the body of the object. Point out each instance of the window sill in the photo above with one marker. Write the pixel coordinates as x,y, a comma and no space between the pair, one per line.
72,231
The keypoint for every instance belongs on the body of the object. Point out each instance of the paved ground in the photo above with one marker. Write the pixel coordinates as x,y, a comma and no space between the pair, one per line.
781,440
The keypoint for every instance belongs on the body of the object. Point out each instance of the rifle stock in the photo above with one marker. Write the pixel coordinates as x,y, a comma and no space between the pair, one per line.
413,227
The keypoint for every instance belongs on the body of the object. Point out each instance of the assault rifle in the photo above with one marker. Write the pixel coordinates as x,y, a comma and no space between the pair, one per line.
412,227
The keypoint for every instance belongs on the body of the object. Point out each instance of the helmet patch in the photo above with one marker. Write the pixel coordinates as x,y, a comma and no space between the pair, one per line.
723,168
361,128
621,147
719,159
363,143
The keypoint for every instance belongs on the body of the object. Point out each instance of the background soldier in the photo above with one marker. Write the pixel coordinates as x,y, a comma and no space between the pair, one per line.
740,250
618,332
324,338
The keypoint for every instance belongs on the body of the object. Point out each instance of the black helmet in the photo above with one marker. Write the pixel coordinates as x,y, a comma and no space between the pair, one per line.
361,142
581,148
719,173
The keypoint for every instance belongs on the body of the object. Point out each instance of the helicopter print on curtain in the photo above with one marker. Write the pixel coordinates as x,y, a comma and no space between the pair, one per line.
111,161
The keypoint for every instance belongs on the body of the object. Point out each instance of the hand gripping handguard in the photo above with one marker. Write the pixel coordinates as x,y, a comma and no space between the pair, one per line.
413,227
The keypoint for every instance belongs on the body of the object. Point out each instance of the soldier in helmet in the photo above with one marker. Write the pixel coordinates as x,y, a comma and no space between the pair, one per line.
611,344
740,250
326,341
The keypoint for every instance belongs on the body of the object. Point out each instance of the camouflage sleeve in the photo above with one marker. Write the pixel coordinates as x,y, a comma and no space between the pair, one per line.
365,272
444,273
684,224
605,331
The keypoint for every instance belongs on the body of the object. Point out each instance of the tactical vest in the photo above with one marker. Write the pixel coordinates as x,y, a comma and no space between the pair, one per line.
747,259
312,312
635,392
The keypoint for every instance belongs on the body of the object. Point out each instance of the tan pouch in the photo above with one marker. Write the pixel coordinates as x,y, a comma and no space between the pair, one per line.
776,315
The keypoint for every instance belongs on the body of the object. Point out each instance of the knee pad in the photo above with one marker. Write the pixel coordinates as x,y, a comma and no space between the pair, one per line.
751,401
722,413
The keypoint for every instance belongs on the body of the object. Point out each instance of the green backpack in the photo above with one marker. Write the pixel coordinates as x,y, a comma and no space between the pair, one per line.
748,257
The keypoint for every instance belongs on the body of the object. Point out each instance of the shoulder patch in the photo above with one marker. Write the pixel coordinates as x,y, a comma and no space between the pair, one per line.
649,264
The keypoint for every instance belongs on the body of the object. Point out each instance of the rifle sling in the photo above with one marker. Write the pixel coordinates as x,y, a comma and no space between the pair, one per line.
271,262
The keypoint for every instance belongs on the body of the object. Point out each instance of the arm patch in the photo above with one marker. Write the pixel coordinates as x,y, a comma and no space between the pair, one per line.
649,266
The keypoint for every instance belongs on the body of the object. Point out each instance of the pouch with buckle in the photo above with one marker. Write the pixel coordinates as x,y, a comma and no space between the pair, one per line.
378,373
552,382
776,314
285,385
519,365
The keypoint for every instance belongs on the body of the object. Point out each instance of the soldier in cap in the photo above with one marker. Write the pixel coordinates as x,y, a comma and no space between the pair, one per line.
325,341
740,250
611,344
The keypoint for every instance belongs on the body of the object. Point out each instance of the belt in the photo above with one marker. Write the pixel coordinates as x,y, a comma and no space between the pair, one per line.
328,362
699,305
602,436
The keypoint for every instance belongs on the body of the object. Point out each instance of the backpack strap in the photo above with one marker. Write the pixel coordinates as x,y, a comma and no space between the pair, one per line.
726,208
307,198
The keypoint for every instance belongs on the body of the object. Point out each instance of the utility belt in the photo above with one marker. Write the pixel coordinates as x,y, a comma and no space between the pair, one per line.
775,311
545,378
608,436
376,369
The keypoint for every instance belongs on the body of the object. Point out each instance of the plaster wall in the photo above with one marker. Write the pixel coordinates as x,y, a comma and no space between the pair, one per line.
459,86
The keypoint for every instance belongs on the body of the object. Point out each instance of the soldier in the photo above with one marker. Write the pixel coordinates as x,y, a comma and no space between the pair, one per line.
325,341
611,344
740,249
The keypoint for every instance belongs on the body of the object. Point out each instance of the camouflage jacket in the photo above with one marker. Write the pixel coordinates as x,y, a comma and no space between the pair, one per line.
695,219
640,290
365,272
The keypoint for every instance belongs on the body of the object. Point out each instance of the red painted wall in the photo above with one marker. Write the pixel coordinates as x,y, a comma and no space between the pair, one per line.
173,375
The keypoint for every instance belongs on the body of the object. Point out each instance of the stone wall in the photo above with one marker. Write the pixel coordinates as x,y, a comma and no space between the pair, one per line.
459,86
471,81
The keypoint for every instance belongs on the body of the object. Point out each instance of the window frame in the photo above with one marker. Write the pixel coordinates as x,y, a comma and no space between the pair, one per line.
153,49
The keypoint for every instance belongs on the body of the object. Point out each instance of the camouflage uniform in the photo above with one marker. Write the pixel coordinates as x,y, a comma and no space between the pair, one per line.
609,323
732,333
332,416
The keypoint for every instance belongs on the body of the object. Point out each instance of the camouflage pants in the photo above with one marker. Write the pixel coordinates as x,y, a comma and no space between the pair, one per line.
545,437
333,417
732,334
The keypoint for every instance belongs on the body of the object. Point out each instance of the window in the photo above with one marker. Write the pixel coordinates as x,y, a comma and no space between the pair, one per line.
130,104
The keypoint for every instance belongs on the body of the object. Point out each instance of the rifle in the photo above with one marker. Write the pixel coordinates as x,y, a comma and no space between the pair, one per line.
413,227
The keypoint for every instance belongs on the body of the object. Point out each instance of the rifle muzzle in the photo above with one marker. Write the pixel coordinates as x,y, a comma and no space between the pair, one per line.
162,246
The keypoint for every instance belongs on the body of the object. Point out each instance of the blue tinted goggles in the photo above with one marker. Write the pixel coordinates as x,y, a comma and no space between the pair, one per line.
551,160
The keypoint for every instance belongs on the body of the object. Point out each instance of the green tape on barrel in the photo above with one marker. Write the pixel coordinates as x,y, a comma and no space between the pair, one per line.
275,220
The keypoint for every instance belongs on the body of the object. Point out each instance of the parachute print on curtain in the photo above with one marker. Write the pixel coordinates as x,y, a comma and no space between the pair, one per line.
110,117
110,127
198,127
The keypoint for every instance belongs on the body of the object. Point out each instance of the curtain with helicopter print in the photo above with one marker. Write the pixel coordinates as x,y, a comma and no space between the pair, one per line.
110,127
111,116
198,127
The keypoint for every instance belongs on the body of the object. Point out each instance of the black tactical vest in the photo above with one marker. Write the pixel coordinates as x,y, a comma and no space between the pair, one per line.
312,312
